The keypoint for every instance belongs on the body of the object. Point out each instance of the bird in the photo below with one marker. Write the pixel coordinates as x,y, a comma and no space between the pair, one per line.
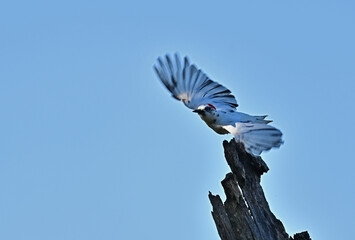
215,104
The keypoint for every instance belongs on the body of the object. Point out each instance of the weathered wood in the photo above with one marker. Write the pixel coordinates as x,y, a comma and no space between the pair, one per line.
301,236
220,217
245,215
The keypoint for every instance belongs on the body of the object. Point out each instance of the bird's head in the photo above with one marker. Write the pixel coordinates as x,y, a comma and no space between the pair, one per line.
205,110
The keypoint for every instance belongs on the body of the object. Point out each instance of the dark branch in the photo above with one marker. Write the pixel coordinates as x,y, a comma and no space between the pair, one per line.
245,215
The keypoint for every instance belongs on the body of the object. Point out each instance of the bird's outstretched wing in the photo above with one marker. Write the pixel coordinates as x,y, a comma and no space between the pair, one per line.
191,86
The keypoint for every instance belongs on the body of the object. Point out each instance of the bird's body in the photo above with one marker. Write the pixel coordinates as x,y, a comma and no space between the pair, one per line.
217,119
216,106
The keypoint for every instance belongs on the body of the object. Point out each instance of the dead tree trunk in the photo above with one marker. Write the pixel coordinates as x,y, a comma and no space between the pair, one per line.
245,215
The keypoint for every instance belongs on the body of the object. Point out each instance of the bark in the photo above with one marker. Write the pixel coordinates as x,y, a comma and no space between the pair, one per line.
245,215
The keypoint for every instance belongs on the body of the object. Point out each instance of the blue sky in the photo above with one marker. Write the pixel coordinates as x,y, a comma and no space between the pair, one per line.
93,147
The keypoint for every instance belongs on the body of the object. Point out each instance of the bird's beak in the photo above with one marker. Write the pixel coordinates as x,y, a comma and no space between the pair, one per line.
198,111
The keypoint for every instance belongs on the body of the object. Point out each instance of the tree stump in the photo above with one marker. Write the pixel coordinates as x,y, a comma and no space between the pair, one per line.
245,215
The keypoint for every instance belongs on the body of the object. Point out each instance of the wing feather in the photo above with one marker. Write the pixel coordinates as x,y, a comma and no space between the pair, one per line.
192,86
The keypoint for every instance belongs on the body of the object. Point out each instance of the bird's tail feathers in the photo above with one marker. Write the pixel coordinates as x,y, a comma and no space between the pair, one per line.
256,137
261,119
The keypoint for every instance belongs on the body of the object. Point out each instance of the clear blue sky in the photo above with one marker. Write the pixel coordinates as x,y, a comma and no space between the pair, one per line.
93,147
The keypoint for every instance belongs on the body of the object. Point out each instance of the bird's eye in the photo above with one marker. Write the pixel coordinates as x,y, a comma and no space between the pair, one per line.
208,109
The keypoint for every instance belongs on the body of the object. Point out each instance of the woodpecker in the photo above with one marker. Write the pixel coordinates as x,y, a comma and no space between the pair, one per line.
216,105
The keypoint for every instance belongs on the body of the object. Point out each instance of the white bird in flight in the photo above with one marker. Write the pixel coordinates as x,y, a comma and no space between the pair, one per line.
216,105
